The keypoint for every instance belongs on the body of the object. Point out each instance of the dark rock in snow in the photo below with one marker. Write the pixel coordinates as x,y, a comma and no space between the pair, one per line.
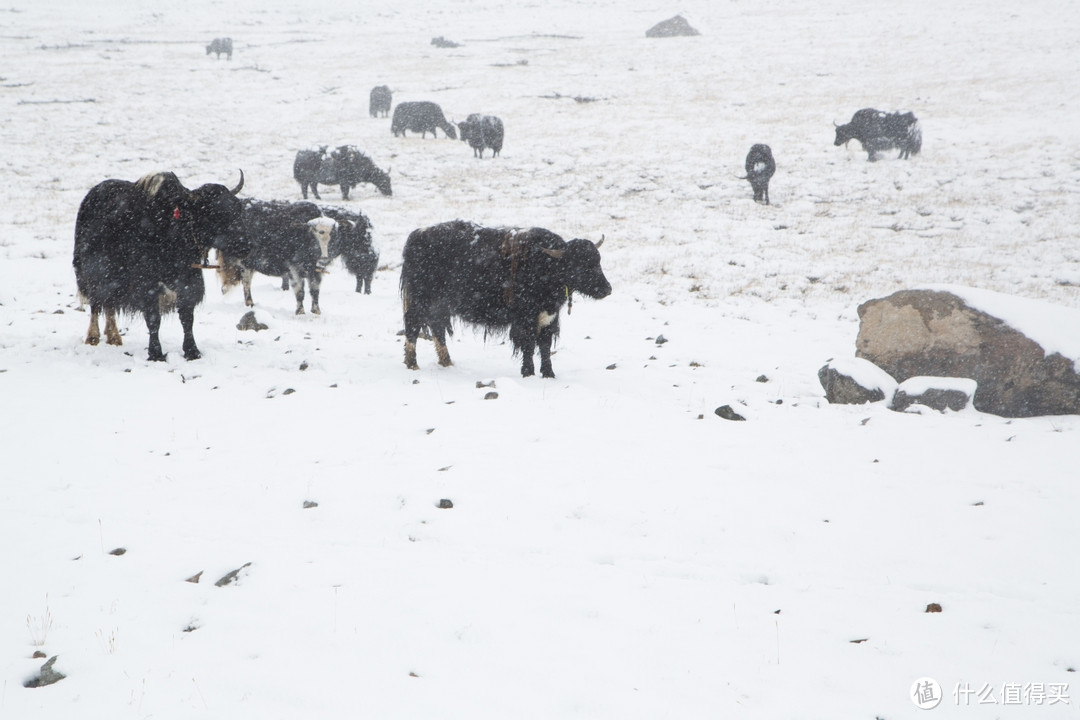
937,393
231,577
672,27
442,42
727,413
854,381
933,608
248,322
47,676
445,504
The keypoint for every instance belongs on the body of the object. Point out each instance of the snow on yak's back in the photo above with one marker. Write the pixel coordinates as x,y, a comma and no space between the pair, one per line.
140,247
496,278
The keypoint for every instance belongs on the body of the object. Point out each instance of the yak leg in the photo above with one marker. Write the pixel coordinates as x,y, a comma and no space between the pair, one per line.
524,339
303,189
112,335
187,322
315,282
315,190
544,341
284,282
344,191
93,333
298,289
441,350
152,314
412,332
360,284
245,279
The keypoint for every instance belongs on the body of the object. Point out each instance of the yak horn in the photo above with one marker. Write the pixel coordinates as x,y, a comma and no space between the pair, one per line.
601,241
557,254
236,191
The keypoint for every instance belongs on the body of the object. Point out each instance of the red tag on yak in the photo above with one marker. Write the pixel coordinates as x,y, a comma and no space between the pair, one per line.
176,214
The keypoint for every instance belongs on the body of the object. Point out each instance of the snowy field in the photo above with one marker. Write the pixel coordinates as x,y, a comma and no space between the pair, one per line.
614,549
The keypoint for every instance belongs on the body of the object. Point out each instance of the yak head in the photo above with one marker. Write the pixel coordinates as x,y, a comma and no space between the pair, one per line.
216,217
582,272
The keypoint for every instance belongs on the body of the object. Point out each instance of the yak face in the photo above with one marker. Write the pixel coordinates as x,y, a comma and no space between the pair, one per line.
216,217
584,274
323,230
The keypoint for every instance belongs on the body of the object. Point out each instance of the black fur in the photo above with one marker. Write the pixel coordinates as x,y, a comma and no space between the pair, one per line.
422,117
346,166
878,131
136,243
760,168
482,131
501,279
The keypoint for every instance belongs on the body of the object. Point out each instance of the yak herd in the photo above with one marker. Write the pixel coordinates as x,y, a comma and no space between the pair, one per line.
141,247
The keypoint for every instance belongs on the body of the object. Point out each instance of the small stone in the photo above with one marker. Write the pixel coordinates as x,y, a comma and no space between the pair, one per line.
248,322
47,676
231,577
445,504
491,395
762,378
288,391
660,339
308,504
303,365
194,579
38,655
118,551
610,367
727,413
933,608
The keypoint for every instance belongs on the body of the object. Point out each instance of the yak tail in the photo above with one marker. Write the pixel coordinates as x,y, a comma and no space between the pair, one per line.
914,138
228,271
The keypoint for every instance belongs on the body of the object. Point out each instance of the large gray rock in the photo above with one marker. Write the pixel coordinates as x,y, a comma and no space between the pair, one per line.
940,333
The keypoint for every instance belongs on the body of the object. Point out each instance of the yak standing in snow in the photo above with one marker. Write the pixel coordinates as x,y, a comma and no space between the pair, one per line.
140,247
500,279
422,117
482,131
760,168
346,167
878,131
379,101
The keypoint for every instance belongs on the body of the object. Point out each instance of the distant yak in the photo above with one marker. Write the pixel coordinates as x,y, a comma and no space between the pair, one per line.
760,167
422,117
482,131
878,131
500,279
346,166
380,101
220,46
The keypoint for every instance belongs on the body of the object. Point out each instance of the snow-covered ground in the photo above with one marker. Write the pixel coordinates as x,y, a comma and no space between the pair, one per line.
614,549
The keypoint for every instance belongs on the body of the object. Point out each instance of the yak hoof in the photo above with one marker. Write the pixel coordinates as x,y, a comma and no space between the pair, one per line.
90,340
156,357
299,311
192,354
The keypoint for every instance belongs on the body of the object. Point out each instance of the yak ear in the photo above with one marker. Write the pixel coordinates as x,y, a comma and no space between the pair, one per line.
601,242
557,254
238,188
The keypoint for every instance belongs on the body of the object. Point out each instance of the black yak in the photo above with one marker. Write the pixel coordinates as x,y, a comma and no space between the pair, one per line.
219,46
422,117
501,279
346,167
760,167
379,101
878,131
482,131
140,248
